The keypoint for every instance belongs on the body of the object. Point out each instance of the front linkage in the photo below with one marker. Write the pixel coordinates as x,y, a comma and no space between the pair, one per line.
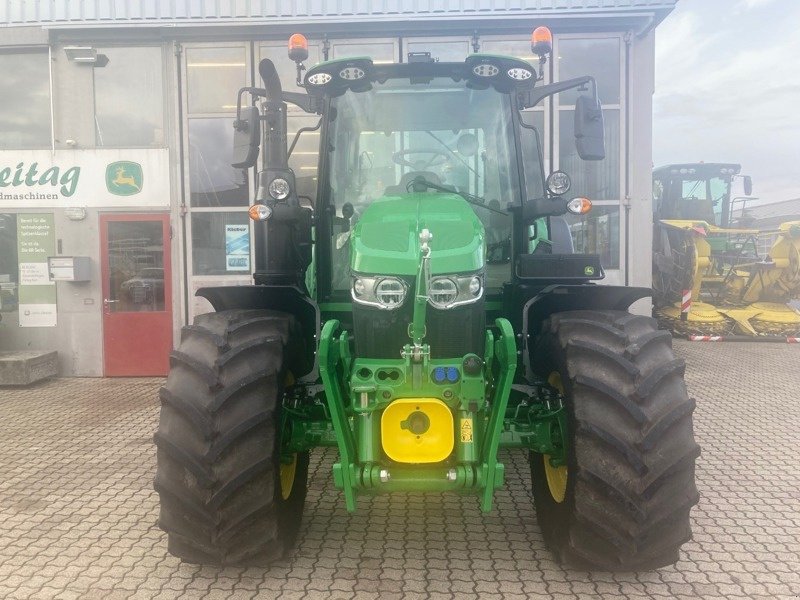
422,424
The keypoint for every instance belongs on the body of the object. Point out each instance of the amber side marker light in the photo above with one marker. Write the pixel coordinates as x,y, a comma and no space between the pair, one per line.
579,206
259,212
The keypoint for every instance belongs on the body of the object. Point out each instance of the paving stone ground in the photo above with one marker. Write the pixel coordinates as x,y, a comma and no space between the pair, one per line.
78,512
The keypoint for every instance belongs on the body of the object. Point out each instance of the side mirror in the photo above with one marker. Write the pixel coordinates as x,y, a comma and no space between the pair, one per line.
589,132
748,185
246,138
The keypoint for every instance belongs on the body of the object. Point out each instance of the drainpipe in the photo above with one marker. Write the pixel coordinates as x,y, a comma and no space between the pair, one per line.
627,199
52,104
178,51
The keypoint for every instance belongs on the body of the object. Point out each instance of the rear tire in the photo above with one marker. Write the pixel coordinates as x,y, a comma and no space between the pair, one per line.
631,451
218,440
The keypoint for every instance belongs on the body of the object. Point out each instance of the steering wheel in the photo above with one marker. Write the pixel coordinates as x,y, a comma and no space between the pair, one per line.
438,157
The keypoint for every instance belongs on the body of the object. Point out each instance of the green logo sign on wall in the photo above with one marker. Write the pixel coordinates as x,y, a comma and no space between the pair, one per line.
124,178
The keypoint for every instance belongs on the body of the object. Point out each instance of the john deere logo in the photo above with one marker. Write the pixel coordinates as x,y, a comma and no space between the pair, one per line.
588,271
124,178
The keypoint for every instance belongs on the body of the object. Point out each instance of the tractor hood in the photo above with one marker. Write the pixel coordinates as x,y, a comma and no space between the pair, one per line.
385,240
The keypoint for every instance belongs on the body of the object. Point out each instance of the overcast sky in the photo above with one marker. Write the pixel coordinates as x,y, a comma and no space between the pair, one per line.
728,90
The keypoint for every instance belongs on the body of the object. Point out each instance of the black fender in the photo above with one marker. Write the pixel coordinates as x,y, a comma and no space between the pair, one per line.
285,298
539,303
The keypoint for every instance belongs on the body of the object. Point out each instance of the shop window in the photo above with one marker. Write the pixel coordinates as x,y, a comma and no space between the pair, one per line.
25,100
214,77
287,70
598,57
597,233
597,180
379,52
9,266
125,118
213,181
520,48
443,51
220,243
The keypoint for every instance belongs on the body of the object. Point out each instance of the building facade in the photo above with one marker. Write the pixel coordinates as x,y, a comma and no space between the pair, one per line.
117,198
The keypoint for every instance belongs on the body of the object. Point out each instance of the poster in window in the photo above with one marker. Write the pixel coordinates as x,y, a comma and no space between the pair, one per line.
36,240
237,247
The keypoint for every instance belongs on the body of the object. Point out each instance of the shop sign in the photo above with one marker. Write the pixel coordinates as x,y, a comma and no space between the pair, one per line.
36,240
102,178
237,247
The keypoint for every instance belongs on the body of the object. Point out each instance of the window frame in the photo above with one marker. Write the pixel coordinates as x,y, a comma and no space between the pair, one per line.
46,50
195,281
165,102
558,108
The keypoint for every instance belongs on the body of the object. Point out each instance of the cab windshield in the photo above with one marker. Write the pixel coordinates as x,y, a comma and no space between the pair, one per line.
705,199
453,136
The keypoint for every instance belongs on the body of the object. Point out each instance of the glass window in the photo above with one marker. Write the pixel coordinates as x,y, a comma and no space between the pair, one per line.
378,52
9,266
517,48
213,181
596,57
305,155
25,100
286,67
215,76
129,98
597,233
531,142
136,266
597,180
449,51
220,243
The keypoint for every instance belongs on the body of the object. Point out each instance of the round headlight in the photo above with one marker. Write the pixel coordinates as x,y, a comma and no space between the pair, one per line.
443,292
390,292
558,183
279,188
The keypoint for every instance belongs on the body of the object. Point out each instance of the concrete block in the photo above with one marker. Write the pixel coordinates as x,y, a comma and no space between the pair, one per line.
26,367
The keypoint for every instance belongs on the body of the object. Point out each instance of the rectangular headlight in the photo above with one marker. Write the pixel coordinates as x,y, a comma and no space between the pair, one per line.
449,291
385,293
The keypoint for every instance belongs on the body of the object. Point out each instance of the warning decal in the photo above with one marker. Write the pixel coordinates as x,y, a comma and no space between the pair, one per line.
466,430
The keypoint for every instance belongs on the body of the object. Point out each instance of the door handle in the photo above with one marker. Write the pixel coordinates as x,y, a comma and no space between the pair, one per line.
107,301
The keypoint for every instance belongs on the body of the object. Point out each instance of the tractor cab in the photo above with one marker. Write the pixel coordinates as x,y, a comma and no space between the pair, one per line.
696,192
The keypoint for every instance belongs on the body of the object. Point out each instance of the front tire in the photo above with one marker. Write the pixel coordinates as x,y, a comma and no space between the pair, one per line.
628,486
226,499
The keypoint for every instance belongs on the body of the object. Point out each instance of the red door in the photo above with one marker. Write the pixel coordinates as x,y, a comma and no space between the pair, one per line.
137,294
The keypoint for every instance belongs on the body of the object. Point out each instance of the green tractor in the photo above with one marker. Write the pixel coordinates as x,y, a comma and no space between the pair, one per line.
425,310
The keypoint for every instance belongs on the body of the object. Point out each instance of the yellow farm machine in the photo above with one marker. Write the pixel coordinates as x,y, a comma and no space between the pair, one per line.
715,278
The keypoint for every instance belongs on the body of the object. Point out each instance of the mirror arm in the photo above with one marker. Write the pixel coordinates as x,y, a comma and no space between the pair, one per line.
535,95
308,103
255,92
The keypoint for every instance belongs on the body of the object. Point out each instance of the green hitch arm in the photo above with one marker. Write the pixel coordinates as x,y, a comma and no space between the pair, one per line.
506,355
417,329
330,356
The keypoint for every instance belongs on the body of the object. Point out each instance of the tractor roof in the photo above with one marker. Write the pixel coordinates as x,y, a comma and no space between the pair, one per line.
504,73
701,168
